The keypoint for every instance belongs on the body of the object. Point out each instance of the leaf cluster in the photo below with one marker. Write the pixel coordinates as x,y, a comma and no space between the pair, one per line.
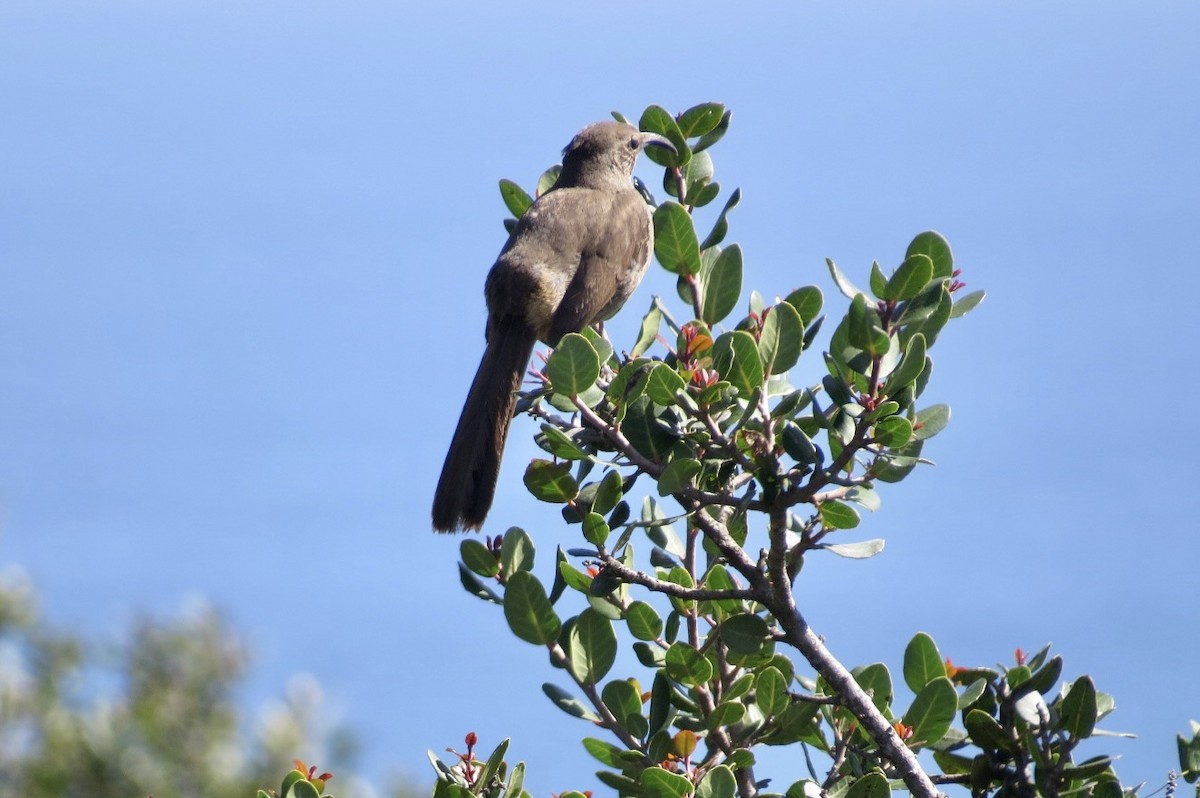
700,479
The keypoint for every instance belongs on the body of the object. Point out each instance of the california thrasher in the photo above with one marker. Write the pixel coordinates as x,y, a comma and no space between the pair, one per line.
573,259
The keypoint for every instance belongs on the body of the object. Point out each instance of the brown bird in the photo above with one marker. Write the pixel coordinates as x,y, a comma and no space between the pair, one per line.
573,259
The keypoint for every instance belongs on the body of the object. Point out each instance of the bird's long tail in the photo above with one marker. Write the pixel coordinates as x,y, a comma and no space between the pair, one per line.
468,482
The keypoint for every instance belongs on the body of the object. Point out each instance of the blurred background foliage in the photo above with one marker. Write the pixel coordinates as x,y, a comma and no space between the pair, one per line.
156,713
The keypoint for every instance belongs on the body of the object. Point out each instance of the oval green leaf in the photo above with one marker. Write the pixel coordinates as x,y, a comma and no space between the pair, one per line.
922,662
551,482
573,366
909,279
836,515
515,198
782,338
932,712
722,285
687,665
528,611
937,249
675,243
735,357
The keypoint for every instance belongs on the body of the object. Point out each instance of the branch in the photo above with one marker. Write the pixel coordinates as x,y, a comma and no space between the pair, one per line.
627,574
798,634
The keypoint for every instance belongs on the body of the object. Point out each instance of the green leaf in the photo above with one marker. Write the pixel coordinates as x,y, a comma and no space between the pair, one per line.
973,692
548,178
569,703
572,577
909,279
937,249
663,384
781,339
551,482
722,285
595,529
675,242
727,713
302,788
965,305
735,357
863,328
745,633
713,136
644,621
872,785
591,647
922,662
1088,769
661,709
472,585
924,304
931,421
1189,756
663,535
657,119
849,289
573,366
1046,676
608,493
721,226
516,781
528,611
478,557
933,323
700,119
680,576
864,497
516,551
1079,711
678,475
495,762
605,753
718,578
659,783
717,783
770,691
515,198
863,550
837,515
898,464
623,785
643,429
623,700
932,711
878,281
559,444
648,333
985,732
876,680
807,301
910,368
893,432
687,665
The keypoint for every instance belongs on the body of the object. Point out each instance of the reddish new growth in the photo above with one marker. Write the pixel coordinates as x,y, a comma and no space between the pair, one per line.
1020,655
955,283
696,340
467,760
310,771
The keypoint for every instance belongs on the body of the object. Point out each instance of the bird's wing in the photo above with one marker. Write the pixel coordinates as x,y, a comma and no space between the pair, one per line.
614,253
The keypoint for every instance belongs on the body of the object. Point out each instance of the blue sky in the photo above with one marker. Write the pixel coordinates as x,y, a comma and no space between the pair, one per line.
241,259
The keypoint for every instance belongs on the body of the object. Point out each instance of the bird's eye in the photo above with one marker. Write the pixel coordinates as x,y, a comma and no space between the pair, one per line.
634,143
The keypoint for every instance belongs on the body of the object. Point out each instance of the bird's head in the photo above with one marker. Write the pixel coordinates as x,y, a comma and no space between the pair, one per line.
602,155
